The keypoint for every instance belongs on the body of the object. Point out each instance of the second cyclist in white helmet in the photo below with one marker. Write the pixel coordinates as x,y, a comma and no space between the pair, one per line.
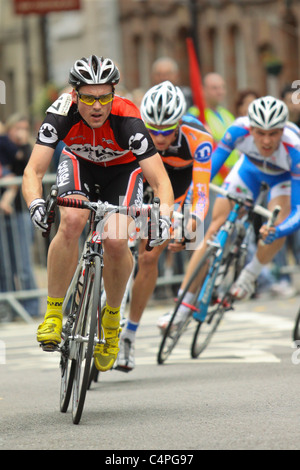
185,148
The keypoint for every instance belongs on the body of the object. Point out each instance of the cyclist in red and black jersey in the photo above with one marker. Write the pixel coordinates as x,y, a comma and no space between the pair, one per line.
107,145
185,148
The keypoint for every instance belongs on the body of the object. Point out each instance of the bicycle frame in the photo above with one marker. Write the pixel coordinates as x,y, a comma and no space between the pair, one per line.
219,244
93,247
85,297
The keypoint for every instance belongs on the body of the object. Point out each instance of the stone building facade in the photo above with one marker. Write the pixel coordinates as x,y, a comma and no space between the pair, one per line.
252,44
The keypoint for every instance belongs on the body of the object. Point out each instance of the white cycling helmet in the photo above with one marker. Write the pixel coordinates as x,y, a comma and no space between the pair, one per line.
268,113
93,70
163,104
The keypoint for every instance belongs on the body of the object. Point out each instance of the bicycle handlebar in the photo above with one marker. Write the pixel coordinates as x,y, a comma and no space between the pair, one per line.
260,210
134,211
146,210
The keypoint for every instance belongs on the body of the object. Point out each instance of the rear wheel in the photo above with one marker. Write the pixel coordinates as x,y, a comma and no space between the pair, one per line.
94,375
220,302
205,330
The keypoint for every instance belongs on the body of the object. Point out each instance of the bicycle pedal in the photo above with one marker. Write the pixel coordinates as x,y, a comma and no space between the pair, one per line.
49,347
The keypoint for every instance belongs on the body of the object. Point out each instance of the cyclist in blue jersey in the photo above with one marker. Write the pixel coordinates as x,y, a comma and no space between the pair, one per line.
270,150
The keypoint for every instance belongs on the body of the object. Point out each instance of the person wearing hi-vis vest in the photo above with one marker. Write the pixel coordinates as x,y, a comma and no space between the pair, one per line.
218,119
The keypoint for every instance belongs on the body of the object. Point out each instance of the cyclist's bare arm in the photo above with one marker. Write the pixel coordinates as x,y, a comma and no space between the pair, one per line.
34,172
156,175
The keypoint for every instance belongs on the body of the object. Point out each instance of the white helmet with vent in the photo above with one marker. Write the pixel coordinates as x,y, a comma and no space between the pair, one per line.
162,105
268,113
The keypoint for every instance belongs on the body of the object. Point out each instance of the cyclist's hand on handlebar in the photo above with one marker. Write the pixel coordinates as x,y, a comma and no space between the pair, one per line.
268,234
37,210
164,224
175,246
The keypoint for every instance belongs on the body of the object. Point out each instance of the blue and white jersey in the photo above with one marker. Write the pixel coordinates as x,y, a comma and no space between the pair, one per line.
282,165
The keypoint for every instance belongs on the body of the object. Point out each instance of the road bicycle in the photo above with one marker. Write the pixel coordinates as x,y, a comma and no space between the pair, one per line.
223,261
83,302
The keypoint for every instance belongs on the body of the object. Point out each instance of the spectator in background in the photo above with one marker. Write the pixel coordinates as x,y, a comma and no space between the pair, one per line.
16,232
166,68
218,119
136,96
244,98
291,98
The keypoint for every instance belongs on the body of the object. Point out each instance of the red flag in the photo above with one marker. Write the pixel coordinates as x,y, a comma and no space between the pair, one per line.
195,79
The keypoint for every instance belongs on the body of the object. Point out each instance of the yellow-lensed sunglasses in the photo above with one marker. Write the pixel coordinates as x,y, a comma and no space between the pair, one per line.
166,131
90,99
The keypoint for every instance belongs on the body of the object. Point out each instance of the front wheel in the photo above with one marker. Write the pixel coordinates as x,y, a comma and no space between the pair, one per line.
66,385
174,329
86,334
67,366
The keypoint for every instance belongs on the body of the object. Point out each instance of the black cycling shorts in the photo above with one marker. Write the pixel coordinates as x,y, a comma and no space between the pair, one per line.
117,184
180,181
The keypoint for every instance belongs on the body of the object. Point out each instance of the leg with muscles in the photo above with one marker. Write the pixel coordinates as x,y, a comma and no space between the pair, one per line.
62,261
220,212
245,285
118,265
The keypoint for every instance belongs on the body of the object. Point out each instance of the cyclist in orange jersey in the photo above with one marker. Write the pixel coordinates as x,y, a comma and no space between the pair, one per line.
185,148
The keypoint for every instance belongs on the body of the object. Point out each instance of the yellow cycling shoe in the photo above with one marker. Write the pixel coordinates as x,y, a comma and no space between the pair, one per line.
50,330
106,354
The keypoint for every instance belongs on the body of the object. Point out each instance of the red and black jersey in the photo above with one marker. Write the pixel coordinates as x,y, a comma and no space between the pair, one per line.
123,137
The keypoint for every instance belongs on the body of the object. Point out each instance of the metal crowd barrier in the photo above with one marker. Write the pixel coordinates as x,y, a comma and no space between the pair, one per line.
23,253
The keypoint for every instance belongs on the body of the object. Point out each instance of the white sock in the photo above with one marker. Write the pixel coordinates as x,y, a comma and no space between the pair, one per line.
187,299
254,266
130,330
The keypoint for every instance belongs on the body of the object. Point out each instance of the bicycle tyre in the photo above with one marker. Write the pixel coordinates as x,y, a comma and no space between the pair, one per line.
168,341
67,370
296,330
94,375
202,337
89,324
67,378
205,330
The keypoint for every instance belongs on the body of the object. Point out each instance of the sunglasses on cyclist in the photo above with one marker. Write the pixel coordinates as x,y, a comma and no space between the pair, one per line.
164,132
90,99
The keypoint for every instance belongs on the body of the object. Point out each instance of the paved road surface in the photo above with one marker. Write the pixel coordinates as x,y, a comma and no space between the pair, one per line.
241,394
